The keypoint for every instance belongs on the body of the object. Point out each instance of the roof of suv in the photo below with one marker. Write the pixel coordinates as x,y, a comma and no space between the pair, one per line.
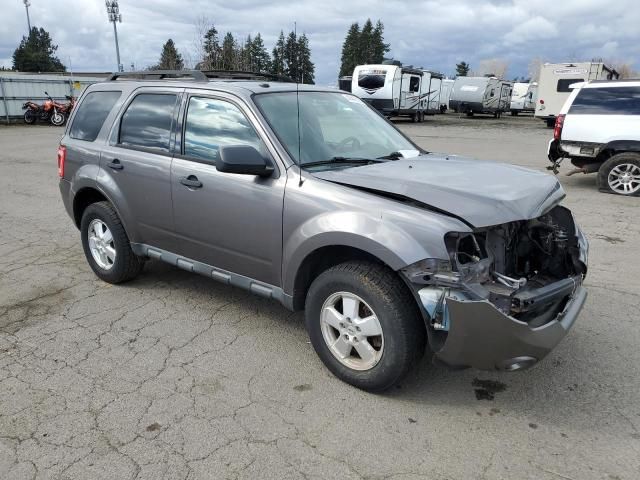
630,82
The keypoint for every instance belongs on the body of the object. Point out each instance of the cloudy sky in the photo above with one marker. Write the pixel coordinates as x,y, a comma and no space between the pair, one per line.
433,33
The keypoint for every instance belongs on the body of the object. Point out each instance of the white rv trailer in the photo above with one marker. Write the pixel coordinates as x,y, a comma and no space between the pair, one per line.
433,87
480,95
555,80
445,93
522,99
392,89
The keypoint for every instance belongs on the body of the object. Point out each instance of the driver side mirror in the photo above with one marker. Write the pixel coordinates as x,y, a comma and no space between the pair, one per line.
244,160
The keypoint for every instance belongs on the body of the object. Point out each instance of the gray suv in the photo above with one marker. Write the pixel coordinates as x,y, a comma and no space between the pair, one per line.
308,196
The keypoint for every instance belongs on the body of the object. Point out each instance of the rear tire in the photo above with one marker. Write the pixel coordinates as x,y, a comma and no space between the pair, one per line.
514,113
109,255
373,292
29,117
620,174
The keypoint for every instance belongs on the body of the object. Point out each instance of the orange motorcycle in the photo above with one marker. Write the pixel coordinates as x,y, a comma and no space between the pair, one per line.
49,111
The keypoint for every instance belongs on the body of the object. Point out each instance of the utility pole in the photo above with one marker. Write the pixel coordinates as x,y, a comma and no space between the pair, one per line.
113,11
26,7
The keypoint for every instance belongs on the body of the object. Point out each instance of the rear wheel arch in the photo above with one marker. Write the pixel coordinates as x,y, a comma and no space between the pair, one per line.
82,199
617,146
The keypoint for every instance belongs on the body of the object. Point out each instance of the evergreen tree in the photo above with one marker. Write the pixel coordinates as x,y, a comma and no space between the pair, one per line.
462,69
278,56
211,48
349,59
365,43
260,56
379,48
170,59
291,57
305,65
228,53
36,53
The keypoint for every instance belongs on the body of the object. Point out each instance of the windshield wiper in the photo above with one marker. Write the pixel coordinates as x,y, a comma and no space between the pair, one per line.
392,156
341,160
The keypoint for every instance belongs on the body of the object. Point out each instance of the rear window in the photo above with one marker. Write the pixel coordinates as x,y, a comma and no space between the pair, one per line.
92,113
147,122
607,101
564,83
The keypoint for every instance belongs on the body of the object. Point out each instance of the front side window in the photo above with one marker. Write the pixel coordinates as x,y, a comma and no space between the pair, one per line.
564,83
147,122
92,113
607,101
414,84
331,125
213,123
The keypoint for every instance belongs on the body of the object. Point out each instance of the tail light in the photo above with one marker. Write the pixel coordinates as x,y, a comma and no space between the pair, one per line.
557,130
62,156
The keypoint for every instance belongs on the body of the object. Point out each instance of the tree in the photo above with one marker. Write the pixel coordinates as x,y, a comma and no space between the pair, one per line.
534,68
278,62
305,65
170,59
36,53
364,46
291,57
379,48
462,69
495,67
349,59
228,53
260,56
211,49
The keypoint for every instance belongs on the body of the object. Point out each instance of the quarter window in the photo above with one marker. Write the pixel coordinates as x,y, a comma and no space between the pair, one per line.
607,101
92,113
147,122
213,123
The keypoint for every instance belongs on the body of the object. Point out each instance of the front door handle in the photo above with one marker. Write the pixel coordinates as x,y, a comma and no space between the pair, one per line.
191,181
115,164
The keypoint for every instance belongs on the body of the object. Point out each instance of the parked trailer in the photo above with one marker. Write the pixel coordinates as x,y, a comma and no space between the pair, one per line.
472,95
555,80
344,83
523,97
445,94
392,89
433,87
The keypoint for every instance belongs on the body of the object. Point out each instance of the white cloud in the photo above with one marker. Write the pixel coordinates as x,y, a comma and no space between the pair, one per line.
431,33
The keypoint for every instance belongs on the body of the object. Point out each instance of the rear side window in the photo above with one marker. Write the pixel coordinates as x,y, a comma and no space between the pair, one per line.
564,83
147,122
92,113
607,101
213,123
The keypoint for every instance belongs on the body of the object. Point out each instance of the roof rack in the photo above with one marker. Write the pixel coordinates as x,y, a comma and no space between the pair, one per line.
243,75
197,75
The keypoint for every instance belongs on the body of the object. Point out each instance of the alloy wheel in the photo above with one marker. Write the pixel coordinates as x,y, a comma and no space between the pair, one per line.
624,178
352,331
101,244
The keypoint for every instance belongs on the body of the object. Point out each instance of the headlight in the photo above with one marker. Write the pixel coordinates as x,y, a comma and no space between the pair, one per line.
431,270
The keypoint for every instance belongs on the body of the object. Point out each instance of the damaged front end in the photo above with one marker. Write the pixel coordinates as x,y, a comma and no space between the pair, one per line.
507,294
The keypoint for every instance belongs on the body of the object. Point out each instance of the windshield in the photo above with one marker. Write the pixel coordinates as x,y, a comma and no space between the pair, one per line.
331,125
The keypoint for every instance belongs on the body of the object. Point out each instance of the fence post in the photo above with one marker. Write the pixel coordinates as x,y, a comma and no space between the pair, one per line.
4,99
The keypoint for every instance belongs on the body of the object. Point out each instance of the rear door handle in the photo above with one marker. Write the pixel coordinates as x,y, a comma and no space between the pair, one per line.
191,181
115,164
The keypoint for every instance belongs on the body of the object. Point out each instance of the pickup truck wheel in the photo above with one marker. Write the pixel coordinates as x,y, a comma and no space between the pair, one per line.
621,174
106,244
364,325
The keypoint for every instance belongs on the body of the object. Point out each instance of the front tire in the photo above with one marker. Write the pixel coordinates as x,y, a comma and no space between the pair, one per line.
106,244
364,325
620,174
57,119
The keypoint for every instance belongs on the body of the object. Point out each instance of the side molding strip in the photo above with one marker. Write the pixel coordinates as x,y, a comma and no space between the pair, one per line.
246,283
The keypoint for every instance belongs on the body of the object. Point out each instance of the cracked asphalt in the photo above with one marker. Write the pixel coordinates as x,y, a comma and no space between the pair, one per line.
174,376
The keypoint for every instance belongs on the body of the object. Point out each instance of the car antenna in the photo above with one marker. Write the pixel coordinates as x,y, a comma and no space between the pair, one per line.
301,181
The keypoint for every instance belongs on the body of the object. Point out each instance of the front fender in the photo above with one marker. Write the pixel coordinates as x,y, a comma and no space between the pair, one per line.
384,240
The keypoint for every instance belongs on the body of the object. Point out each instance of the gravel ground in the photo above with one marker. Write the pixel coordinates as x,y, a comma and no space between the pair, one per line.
175,376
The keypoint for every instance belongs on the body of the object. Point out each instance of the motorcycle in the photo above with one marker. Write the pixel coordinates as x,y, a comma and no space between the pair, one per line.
49,111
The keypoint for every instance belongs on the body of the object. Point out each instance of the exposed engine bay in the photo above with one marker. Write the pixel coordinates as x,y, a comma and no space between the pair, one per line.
526,269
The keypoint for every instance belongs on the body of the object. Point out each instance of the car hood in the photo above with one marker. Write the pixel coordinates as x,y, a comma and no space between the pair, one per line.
479,192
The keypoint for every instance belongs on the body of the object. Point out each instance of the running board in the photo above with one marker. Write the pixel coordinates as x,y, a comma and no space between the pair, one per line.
229,278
